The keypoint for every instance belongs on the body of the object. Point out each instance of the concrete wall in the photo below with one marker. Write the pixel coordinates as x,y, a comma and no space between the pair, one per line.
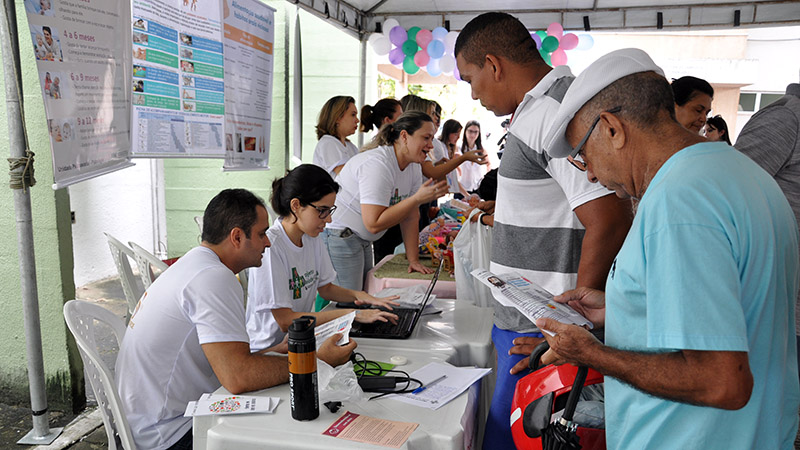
123,204
53,247
330,67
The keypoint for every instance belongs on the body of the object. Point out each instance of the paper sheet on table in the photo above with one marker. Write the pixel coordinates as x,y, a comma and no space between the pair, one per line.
339,325
370,430
458,380
512,289
215,405
410,296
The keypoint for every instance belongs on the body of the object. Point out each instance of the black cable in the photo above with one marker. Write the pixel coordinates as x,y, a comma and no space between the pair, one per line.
373,368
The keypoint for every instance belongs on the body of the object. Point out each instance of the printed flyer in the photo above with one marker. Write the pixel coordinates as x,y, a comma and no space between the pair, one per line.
249,37
178,79
83,71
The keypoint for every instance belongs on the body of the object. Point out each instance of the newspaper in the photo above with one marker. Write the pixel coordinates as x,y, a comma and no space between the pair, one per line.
341,324
512,289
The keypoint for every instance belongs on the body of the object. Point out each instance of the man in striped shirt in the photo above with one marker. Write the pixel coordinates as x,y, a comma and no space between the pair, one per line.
550,225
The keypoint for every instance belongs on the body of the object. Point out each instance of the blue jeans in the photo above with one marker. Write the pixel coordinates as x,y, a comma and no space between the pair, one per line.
498,424
351,257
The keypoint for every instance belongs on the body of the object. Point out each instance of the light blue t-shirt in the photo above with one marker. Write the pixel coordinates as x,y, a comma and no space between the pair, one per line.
710,263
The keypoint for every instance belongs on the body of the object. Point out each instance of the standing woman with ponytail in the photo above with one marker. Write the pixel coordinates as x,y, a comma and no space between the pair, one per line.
337,120
297,264
381,188
386,110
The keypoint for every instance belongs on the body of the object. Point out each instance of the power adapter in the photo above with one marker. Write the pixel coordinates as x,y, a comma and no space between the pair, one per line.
371,383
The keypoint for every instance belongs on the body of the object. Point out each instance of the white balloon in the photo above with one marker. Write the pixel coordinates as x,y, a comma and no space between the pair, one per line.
585,42
450,42
382,46
447,64
388,24
373,37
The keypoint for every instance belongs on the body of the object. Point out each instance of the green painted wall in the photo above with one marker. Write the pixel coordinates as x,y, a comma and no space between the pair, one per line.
53,247
330,67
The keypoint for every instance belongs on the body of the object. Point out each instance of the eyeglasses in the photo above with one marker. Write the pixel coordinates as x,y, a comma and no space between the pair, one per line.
324,211
575,155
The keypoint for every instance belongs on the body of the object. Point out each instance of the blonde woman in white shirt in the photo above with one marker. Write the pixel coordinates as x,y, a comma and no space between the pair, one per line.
337,120
297,266
382,187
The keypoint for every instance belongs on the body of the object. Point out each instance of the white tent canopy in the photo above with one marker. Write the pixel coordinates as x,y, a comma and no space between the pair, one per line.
360,17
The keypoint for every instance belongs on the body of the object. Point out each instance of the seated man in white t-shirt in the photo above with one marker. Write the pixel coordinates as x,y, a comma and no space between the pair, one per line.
188,336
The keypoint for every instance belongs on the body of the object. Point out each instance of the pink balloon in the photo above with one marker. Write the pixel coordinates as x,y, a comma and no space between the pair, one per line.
569,41
558,57
556,30
424,37
421,58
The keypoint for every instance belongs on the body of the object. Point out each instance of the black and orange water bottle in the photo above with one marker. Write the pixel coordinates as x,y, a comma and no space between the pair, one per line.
303,392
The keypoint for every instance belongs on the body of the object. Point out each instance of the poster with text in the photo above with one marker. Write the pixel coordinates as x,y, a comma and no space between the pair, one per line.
83,71
249,37
178,79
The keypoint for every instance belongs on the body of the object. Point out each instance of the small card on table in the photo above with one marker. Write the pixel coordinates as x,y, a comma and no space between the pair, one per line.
370,430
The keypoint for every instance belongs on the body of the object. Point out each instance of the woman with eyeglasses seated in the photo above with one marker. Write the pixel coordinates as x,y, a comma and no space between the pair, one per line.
717,129
381,187
297,265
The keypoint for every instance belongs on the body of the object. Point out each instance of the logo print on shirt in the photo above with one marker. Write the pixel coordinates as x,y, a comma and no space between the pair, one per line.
296,284
396,198
613,268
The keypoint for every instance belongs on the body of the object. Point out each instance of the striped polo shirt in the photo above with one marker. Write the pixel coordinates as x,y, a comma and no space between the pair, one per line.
536,233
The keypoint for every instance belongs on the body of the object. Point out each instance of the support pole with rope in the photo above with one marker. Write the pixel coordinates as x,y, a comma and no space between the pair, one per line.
21,179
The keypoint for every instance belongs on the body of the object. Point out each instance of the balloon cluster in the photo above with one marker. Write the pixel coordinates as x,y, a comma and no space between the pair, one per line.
553,43
417,48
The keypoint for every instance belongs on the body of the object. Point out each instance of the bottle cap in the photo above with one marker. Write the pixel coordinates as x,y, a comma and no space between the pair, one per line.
398,360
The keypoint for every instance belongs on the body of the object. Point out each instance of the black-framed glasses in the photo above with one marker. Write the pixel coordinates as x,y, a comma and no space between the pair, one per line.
324,211
575,155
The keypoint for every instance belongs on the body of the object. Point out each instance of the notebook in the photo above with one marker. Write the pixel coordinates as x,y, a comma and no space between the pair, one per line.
407,318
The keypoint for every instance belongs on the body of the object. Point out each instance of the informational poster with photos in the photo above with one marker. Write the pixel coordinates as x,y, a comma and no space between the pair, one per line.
178,79
249,38
83,71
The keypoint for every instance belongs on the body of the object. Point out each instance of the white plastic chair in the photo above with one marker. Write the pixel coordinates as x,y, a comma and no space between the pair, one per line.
121,252
147,262
80,317
199,221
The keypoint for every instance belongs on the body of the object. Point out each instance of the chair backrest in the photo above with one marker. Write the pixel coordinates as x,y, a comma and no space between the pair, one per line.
80,317
199,221
147,262
121,252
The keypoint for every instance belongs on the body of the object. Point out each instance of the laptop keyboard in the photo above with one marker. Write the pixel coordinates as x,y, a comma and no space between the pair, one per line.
404,319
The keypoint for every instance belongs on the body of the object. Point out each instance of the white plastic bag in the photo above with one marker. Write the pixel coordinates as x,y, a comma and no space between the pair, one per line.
338,384
472,249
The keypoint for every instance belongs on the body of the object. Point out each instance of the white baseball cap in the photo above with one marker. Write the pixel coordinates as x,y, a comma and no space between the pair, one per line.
601,73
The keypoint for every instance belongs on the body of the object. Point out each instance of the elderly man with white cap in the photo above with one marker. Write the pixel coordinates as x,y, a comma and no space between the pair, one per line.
699,303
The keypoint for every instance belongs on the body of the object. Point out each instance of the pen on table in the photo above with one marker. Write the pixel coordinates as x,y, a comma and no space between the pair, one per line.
422,388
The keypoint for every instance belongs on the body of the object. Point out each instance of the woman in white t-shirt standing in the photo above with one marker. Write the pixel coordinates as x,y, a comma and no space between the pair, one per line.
337,120
470,173
297,264
382,187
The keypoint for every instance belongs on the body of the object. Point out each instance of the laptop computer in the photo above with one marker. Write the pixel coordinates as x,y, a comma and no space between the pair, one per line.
407,318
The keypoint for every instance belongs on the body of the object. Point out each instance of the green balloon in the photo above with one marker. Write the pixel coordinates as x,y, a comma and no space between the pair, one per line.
542,34
410,66
546,57
549,44
412,33
409,48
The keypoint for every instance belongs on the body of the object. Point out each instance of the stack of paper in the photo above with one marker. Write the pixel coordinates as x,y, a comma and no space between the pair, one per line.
441,383
215,405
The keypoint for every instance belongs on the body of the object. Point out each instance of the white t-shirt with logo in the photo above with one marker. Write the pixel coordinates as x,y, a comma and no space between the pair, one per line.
440,153
471,173
289,277
372,177
161,365
331,153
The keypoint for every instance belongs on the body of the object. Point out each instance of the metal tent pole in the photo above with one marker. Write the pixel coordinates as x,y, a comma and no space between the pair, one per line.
22,171
362,81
